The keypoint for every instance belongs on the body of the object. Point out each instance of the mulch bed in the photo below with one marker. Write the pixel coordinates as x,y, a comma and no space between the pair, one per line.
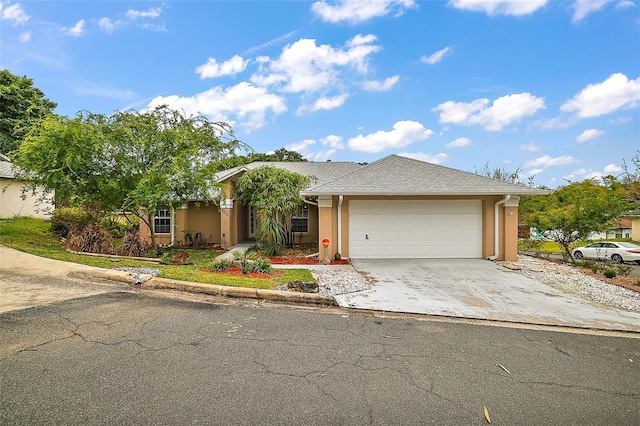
303,261
237,272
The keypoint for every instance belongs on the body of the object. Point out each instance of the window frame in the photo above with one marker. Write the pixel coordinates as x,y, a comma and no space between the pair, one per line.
166,218
303,216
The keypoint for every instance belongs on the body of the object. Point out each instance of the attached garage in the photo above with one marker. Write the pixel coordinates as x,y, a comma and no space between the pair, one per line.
435,229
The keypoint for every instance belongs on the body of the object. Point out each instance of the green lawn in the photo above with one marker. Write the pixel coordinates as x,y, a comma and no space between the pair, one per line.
33,236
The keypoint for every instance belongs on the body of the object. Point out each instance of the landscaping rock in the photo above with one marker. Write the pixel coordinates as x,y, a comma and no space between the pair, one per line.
303,287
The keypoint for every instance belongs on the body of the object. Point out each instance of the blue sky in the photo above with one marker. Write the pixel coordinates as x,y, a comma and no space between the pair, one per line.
548,87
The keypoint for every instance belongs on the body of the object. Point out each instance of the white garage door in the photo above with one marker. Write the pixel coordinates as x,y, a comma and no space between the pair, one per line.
415,229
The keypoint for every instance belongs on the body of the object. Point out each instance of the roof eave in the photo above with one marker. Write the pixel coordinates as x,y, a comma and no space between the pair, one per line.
409,194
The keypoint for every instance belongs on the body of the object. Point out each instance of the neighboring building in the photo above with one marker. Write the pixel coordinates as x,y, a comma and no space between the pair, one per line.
634,217
12,192
396,207
621,228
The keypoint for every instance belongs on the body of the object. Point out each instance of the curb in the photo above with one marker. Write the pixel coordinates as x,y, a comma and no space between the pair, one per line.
239,292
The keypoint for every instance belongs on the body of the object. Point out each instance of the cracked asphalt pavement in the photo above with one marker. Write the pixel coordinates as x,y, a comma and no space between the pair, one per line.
162,358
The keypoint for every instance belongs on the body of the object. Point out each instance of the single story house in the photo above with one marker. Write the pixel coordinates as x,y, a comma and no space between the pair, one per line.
620,228
634,217
12,192
396,207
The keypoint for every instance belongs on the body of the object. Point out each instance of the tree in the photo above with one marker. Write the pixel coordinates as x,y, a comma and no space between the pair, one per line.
129,161
21,105
275,196
572,212
630,180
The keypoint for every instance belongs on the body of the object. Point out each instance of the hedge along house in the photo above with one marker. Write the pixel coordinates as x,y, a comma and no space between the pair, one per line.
396,207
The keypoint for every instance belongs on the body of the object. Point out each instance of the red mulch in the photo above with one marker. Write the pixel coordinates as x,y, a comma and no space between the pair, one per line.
303,261
237,272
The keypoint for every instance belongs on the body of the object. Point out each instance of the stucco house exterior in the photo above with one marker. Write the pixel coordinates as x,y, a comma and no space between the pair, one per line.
396,207
11,196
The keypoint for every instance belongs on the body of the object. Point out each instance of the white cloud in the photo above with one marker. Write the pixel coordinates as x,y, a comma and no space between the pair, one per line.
530,147
108,25
548,161
616,92
589,134
624,4
77,30
305,67
25,37
611,169
333,141
436,57
582,8
13,13
151,13
504,111
500,7
380,86
404,133
353,12
422,156
458,143
533,172
301,146
324,103
243,102
213,69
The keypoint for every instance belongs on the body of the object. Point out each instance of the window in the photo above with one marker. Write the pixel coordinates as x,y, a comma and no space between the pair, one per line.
162,222
300,220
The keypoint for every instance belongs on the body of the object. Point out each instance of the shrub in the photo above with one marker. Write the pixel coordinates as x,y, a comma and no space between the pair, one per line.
173,257
90,239
64,219
133,244
623,269
261,266
610,273
117,228
595,267
221,265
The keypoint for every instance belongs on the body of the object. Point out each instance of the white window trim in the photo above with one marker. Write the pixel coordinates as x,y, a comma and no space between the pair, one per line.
169,217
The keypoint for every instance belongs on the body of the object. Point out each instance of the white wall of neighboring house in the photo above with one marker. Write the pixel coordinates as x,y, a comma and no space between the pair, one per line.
12,194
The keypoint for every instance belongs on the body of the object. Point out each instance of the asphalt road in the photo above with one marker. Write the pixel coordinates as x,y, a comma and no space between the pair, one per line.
140,358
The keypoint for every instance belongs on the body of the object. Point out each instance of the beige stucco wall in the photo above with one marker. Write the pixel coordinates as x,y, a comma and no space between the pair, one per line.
635,228
508,223
12,204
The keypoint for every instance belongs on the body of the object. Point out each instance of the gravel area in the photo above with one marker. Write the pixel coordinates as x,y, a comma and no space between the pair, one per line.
336,281
137,273
571,280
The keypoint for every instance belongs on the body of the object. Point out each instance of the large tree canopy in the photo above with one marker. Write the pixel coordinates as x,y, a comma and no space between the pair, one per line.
572,212
21,105
275,195
129,161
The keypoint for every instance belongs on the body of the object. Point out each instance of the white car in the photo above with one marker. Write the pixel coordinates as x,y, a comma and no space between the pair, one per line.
614,251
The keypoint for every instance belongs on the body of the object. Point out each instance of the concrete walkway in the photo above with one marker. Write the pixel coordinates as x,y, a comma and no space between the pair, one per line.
475,288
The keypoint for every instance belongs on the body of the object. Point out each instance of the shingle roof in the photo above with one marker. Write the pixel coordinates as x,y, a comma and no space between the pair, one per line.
396,175
323,172
6,170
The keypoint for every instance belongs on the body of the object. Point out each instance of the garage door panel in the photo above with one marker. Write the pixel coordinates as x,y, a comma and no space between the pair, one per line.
418,229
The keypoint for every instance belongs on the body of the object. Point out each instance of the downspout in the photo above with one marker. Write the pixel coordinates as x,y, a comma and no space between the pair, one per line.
173,227
340,200
496,228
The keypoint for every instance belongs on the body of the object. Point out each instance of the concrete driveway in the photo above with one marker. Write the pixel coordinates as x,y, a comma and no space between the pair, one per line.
475,288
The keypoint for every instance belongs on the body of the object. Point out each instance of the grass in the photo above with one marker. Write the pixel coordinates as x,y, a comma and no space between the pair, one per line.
33,236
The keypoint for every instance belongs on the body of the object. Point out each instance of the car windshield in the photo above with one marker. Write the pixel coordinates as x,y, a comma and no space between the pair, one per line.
630,245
